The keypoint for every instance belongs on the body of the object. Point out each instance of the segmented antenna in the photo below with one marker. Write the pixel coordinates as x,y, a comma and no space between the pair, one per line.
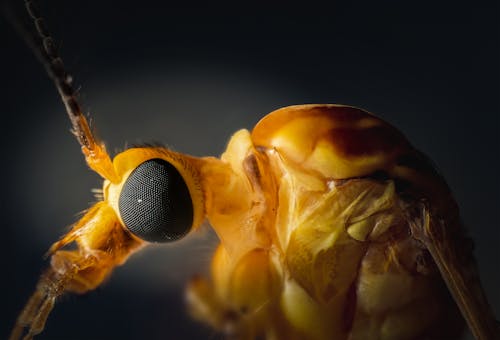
95,152
55,68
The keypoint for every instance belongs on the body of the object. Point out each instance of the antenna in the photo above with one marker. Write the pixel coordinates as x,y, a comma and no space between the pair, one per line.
94,151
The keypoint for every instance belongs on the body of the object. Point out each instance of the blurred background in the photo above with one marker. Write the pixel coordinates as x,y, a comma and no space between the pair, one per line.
189,77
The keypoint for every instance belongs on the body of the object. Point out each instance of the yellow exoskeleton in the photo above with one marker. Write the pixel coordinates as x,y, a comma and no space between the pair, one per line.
331,226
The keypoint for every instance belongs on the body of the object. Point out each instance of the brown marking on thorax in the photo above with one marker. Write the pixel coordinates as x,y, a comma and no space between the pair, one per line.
356,142
352,143
350,131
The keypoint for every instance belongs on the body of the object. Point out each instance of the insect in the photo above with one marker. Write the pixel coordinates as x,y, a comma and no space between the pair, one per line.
276,199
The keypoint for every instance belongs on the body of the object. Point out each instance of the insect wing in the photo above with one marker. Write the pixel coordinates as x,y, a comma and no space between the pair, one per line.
452,252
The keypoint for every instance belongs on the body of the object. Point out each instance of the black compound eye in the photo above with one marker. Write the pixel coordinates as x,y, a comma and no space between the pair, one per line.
155,203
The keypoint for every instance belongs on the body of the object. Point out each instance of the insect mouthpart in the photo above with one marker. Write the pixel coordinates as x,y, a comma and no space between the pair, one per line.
155,204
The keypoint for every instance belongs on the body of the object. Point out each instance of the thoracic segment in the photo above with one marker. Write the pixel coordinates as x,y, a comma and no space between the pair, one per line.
313,257
336,141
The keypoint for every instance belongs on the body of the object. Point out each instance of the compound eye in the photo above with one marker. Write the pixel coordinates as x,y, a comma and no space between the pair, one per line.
155,203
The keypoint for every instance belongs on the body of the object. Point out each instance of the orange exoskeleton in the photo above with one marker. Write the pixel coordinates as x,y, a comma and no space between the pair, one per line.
331,226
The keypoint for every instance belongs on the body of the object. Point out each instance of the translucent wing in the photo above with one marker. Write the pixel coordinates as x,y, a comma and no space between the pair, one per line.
451,250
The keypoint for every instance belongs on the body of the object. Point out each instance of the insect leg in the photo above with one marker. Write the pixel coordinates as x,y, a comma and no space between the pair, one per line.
51,285
102,244
27,315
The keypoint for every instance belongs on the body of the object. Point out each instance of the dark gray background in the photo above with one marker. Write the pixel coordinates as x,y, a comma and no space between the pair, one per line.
191,76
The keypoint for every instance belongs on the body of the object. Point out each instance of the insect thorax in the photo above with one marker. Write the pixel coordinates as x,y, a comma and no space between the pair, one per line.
303,255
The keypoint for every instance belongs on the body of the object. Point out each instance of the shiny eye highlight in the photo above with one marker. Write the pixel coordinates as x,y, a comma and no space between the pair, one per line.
155,203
